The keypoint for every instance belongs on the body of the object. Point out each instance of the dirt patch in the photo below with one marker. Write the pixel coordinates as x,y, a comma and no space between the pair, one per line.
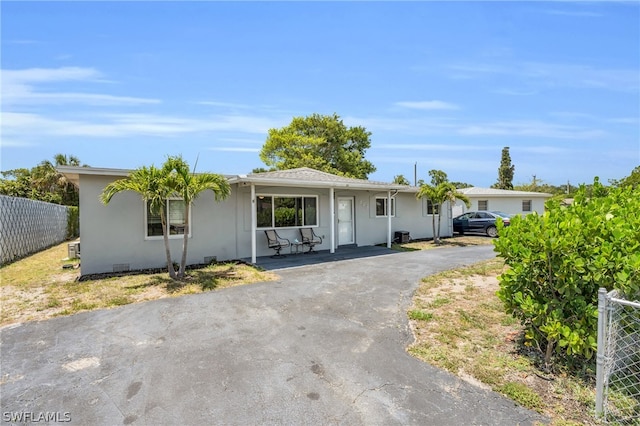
460,325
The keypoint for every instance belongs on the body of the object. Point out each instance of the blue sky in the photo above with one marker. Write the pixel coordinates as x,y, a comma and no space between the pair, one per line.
445,85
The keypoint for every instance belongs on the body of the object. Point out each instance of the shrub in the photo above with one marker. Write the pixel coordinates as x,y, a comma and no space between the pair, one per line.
73,222
560,259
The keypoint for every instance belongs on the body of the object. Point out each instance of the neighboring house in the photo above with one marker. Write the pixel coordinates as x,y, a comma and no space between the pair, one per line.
504,200
123,235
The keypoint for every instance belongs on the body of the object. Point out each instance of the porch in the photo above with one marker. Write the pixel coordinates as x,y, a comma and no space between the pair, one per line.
321,256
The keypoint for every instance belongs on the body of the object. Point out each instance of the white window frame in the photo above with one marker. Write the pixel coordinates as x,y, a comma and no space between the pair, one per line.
530,202
384,200
160,237
435,208
273,219
486,207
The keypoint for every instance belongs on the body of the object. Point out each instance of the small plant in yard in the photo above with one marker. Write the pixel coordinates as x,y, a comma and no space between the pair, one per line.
460,325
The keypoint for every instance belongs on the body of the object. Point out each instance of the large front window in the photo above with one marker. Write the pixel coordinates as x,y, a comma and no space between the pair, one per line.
175,219
286,211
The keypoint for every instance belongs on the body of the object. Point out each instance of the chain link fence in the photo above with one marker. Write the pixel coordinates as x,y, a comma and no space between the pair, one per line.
618,362
28,226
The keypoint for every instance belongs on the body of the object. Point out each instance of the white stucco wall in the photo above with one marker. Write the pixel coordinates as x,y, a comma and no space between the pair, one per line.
511,205
115,234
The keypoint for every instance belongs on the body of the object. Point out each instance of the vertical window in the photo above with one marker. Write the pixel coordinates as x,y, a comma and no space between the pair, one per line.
526,205
286,211
432,208
381,207
483,204
264,206
175,219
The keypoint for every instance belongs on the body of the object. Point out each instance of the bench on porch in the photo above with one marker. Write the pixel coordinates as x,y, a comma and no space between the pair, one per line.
276,242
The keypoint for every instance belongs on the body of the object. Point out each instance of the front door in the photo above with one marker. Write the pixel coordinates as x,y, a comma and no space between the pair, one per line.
345,221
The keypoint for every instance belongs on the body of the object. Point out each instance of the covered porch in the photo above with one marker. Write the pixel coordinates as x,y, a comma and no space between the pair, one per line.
344,210
321,257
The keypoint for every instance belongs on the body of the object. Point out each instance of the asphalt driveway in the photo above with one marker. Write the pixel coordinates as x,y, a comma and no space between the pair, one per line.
324,345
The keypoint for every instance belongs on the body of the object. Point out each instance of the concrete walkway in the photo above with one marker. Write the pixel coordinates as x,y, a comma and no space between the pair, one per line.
324,345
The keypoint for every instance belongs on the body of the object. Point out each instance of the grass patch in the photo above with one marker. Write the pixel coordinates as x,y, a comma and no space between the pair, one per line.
419,315
469,334
522,394
38,287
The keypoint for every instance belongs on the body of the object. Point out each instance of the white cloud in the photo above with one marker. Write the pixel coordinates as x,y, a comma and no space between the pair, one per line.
233,149
529,128
125,125
427,105
19,87
540,74
38,75
436,147
573,13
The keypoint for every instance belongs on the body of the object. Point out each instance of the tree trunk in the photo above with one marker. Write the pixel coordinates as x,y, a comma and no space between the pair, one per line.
548,353
185,241
433,223
438,229
165,237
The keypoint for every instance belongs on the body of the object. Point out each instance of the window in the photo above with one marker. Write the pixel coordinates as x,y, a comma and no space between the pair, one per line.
483,204
526,205
381,207
432,208
286,211
175,219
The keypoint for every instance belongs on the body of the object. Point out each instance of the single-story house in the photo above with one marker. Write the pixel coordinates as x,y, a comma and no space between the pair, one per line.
504,200
124,235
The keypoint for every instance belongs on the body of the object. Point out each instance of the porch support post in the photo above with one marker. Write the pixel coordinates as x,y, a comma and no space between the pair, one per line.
389,219
332,214
253,223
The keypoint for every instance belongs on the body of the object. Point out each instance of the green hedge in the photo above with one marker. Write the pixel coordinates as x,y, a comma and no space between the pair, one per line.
560,259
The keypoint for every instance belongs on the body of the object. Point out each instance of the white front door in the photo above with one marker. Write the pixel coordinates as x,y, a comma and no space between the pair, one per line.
345,221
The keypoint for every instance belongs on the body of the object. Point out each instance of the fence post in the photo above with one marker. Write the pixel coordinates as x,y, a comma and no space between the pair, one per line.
602,321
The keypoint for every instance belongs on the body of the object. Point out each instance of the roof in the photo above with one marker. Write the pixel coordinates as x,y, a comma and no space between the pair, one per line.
307,177
301,177
506,193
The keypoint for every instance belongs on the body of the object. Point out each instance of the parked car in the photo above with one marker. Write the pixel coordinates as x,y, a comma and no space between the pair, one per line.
480,221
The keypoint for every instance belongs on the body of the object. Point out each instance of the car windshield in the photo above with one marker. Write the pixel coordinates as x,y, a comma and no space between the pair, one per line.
502,214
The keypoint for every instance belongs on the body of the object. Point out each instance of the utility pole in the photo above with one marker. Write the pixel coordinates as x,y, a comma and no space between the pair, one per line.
415,174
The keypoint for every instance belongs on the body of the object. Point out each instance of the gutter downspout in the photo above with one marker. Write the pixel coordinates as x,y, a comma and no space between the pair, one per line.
253,223
389,219
332,214
389,216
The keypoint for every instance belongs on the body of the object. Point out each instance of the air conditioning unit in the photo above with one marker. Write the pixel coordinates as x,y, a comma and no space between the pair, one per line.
402,237
73,250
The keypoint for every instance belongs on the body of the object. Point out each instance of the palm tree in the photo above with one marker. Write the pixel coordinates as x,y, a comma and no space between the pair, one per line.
189,186
153,185
157,185
438,195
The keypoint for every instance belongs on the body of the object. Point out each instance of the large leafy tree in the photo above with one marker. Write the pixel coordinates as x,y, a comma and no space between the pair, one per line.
321,142
42,182
439,192
505,171
632,180
156,185
401,180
